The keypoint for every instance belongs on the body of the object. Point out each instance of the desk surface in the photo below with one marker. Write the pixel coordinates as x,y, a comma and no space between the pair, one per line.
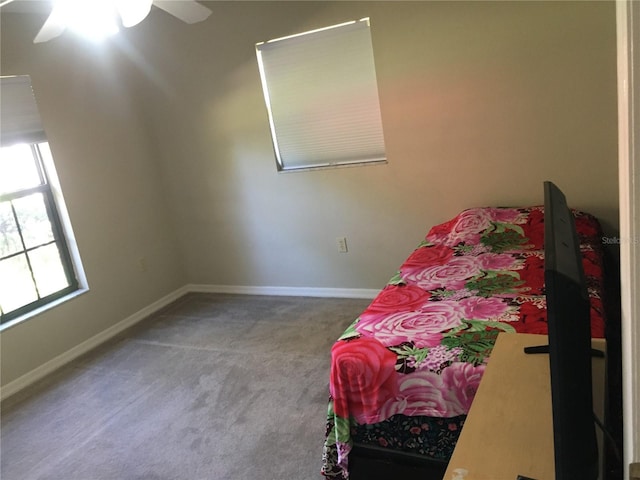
509,429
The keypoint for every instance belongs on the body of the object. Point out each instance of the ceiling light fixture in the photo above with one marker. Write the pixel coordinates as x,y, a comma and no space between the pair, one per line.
98,19
93,19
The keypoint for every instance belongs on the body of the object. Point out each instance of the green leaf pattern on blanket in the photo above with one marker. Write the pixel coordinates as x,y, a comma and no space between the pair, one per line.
350,332
396,279
411,351
490,283
503,236
470,342
475,338
338,427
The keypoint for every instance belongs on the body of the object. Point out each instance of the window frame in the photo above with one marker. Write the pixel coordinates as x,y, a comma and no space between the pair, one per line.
59,238
306,149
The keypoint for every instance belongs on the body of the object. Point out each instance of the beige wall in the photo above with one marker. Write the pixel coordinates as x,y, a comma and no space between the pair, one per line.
111,188
480,102
164,133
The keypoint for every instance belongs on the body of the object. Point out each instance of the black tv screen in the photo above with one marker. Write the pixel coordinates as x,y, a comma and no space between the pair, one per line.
568,310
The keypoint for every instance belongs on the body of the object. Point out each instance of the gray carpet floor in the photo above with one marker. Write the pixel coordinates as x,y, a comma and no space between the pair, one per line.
216,387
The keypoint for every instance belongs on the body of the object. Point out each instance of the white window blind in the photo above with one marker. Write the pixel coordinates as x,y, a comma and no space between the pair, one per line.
19,121
322,97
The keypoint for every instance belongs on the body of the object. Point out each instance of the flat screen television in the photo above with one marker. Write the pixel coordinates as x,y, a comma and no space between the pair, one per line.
569,326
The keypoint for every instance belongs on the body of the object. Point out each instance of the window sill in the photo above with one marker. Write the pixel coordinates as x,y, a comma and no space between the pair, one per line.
42,309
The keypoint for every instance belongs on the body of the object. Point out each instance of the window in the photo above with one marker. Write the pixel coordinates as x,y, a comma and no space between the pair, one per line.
321,93
36,266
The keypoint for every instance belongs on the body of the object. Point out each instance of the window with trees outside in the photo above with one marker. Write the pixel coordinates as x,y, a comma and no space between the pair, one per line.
36,266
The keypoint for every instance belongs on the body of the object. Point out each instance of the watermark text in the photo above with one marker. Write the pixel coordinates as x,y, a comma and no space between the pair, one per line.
619,240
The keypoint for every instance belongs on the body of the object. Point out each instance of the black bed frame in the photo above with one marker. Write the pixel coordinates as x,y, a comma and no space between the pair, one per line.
368,462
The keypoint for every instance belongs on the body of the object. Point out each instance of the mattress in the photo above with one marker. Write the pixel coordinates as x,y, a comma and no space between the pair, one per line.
405,372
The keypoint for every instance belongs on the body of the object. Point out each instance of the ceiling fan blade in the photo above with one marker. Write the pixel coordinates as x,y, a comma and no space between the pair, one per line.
132,13
53,26
188,11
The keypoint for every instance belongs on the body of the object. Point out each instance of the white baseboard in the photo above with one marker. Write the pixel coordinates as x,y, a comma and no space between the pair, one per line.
49,367
364,293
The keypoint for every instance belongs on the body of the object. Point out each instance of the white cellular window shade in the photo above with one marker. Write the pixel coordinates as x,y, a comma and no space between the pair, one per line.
20,120
322,97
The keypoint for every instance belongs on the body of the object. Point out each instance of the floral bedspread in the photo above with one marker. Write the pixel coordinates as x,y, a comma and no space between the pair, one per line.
420,348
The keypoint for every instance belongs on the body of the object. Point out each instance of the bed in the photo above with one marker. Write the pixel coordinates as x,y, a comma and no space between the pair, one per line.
404,373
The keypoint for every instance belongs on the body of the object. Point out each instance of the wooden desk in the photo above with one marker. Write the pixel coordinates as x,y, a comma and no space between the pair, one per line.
509,429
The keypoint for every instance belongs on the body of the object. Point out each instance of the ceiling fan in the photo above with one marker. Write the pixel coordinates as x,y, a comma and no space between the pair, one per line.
103,17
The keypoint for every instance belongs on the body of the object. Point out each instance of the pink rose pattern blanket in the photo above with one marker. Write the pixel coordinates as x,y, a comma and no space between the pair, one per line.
420,348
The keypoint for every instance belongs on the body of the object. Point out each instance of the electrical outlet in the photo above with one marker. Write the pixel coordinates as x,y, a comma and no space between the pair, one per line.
142,264
342,244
